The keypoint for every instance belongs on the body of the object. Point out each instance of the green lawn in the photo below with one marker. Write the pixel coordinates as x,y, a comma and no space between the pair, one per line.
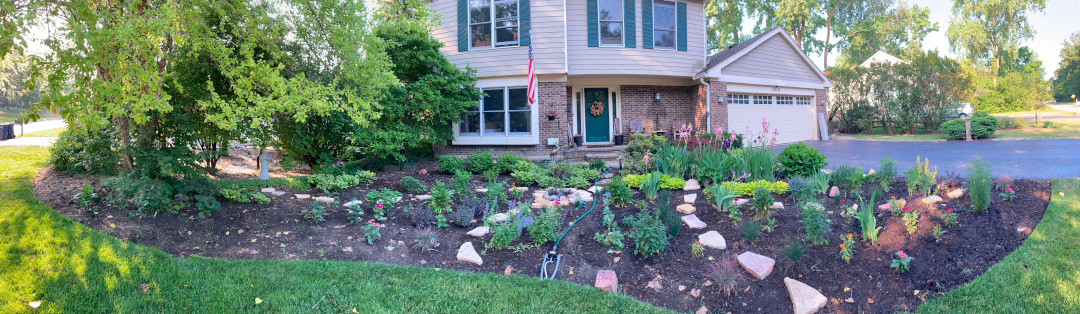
1063,128
45,133
1031,113
10,114
71,268
1042,276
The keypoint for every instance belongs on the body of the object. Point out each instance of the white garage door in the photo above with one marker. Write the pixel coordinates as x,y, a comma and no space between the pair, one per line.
792,116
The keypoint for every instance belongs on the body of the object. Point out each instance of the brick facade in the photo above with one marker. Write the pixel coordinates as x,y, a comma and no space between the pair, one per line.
677,105
719,109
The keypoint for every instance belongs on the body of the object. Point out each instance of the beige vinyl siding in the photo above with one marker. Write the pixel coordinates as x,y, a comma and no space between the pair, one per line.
585,60
773,59
547,37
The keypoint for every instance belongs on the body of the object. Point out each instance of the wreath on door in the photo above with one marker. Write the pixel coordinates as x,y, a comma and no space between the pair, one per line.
597,108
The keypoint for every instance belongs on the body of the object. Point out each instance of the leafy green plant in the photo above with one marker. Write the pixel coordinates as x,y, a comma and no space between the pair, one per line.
886,173
901,262
496,193
354,213
801,189
696,250
723,199
426,239
979,184
749,189
867,222
793,251
751,229
86,149
648,231
315,214
506,232
440,198
801,160
413,185
382,201
371,232
757,163
938,232
650,185
819,181
620,194
612,234
529,173
815,222
459,185
328,182
845,248
491,175
597,164
507,161
543,230
920,179
481,162
668,214
451,165
982,126
673,162
87,197
911,219
761,202
1008,195
641,145
949,218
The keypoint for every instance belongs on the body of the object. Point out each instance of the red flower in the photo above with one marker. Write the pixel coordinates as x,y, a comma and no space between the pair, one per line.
948,210
906,208
842,201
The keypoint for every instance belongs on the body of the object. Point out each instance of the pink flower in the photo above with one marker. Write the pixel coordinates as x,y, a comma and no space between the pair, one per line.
843,201
1009,189
706,181
736,199
901,254
379,205
948,210
558,203
906,208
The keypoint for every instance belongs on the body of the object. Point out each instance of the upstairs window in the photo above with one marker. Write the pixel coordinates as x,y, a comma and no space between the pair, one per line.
493,23
664,24
611,22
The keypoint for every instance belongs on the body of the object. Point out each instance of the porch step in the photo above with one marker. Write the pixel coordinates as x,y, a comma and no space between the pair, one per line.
602,156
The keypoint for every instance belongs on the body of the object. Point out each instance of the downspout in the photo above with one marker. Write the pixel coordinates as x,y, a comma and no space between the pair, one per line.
708,104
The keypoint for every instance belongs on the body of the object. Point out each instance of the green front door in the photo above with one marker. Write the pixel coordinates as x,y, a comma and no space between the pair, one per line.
597,128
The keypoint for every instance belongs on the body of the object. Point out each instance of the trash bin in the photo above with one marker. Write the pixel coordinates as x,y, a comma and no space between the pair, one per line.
7,131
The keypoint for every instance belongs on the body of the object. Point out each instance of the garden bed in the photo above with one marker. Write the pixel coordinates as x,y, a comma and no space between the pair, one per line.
276,231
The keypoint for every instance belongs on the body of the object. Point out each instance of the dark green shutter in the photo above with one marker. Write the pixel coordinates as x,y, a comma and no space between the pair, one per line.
525,23
680,25
646,24
629,29
462,25
594,23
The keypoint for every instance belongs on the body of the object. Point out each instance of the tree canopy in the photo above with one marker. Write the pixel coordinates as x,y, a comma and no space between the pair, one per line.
984,31
1066,81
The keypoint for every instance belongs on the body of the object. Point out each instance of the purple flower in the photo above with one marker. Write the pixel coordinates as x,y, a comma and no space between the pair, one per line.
523,222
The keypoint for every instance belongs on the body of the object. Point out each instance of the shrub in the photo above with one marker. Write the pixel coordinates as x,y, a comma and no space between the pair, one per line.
886,173
982,126
382,201
799,159
314,214
440,198
620,194
761,202
413,185
329,182
727,273
543,230
79,149
481,162
507,161
979,184
1011,123
642,144
815,222
496,194
459,185
649,234
749,189
451,165
462,216
919,178
529,173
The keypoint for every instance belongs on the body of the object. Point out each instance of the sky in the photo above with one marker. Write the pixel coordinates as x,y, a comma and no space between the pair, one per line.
1052,26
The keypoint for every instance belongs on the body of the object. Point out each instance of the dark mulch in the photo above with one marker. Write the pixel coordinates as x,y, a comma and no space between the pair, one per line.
276,231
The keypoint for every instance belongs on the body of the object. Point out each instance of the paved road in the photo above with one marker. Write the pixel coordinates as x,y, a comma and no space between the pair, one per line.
1020,159
34,127
1066,108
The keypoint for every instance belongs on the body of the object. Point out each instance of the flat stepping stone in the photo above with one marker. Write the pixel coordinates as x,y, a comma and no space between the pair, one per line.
932,199
423,197
712,239
324,199
693,222
689,198
481,190
691,185
759,266
466,253
777,205
268,190
479,231
607,281
302,196
686,209
352,203
500,217
542,203
278,193
957,193
608,175
804,299
584,196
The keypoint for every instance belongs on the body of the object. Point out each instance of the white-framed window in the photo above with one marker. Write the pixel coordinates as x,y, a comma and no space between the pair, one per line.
785,100
611,22
762,100
802,101
502,111
493,23
739,99
663,24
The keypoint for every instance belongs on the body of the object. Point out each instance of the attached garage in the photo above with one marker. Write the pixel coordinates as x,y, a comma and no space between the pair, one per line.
768,78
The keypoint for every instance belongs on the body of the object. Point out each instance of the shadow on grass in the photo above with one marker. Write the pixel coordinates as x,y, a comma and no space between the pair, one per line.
71,268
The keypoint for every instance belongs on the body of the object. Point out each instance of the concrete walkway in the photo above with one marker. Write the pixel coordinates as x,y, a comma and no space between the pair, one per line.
1027,159
29,141
31,128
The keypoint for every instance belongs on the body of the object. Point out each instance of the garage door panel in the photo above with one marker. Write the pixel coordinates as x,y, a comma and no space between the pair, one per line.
794,123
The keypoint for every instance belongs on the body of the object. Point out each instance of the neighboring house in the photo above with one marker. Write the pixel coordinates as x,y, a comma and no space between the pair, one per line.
642,62
881,57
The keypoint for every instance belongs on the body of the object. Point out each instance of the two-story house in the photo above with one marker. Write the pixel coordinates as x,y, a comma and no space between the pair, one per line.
605,67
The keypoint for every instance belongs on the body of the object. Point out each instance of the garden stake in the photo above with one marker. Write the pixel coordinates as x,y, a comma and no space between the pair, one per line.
553,255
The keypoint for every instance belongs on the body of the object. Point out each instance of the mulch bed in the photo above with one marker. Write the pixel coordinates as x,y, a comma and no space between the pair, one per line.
276,231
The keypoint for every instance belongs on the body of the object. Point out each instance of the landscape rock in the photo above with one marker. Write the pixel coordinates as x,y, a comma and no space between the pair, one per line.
693,222
757,265
481,190
712,239
522,188
324,199
834,191
957,193
268,190
500,217
479,231
541,203
607,281
887,206
701,310
467,254
584,196
695,293
509,270
691,185
595,189
608,175
278,193
804,299
302,196
741,201
352,203
603,182
872,172
932,199
686,209
777,205
423,197
690,198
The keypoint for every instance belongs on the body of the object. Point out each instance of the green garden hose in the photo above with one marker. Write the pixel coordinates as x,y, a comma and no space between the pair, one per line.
552,256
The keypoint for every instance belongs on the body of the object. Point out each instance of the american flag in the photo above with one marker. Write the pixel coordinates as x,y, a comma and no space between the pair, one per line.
532,77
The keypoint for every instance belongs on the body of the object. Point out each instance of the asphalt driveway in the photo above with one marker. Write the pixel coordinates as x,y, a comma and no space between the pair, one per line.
1019,159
